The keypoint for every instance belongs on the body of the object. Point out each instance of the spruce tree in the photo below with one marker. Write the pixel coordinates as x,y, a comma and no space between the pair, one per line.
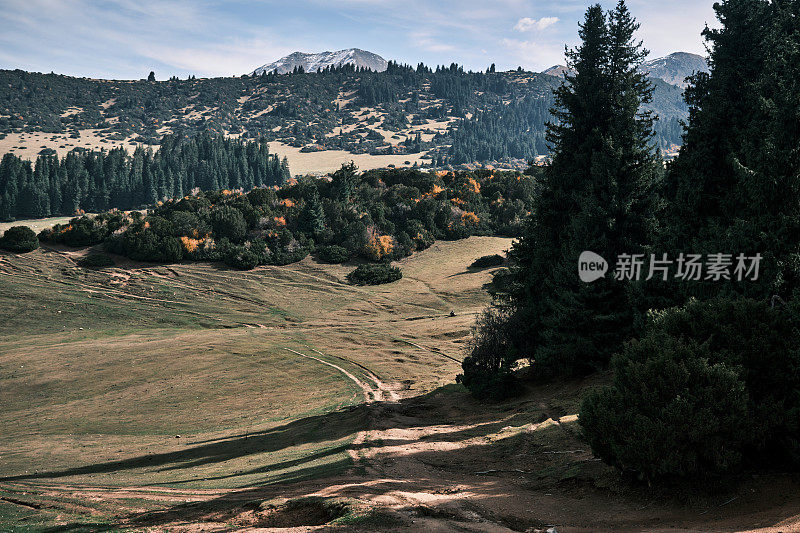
735,187
597,194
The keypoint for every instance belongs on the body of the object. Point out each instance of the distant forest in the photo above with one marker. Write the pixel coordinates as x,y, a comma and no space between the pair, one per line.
493,115
99,180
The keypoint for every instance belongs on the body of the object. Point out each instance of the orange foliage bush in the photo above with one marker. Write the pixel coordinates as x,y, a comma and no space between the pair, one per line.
191,245
280,221
378,246
287,202
468,218
475,185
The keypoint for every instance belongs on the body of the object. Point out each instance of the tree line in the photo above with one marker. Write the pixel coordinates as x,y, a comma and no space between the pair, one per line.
94,181
378,216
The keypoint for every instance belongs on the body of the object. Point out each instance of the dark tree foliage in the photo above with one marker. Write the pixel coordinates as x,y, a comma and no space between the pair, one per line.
19,239
735,187
379,215
100,180
378,274
710,389
333,254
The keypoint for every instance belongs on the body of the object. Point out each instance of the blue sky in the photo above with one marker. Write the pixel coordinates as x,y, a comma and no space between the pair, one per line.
126,39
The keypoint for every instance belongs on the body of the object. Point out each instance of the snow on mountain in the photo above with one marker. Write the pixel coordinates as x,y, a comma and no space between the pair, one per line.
558,71
673,68
315,62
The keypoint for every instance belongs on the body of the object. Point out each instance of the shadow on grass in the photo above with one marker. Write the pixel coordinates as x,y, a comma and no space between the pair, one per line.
314,429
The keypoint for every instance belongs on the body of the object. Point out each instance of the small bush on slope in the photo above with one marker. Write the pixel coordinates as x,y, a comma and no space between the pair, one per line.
19,239
488,261
96,261
374,274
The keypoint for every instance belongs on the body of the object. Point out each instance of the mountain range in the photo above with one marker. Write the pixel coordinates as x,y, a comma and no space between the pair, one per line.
673,68
315,62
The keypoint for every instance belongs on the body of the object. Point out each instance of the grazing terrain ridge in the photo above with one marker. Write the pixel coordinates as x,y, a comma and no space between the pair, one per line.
401,116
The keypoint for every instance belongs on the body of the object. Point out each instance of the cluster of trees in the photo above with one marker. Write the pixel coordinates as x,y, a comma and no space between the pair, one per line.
710,384
100,180
378,216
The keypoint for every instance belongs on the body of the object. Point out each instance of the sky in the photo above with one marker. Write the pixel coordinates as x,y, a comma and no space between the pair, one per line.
126,39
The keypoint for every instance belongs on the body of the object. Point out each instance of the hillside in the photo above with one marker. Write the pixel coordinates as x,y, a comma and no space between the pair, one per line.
435,117
188,396
672,69
675,68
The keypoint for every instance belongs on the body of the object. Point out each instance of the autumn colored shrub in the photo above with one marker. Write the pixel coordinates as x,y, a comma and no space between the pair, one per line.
378,247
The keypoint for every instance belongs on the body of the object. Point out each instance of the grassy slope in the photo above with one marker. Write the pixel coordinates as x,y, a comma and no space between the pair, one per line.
102,367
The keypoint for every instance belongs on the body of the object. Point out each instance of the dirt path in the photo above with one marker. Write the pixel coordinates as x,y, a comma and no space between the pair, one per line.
381,392
371,394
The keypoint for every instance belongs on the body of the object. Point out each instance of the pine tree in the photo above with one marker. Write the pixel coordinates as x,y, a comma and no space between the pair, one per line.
583,324
597,194
735,187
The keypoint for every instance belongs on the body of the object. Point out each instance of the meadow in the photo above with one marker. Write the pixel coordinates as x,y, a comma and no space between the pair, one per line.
193,396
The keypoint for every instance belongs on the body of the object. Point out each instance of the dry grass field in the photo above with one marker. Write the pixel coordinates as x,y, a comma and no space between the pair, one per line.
191,397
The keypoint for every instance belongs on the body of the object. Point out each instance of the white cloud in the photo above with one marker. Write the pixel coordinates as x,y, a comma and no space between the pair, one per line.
527,23
533,55
427,41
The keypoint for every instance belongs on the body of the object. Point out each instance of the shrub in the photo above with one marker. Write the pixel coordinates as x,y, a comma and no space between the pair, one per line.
242,258
488,261
19,239
488,369
333,254
374,274
710,389
96,261
228,222
82,231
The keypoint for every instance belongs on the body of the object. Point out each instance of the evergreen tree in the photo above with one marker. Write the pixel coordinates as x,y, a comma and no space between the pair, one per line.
597,194
735,187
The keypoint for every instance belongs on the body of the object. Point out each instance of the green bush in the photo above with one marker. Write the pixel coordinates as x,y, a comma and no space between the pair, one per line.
19,239
488,261
376,274
228,222
333,254
488,367
96,261
82,231
710,389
